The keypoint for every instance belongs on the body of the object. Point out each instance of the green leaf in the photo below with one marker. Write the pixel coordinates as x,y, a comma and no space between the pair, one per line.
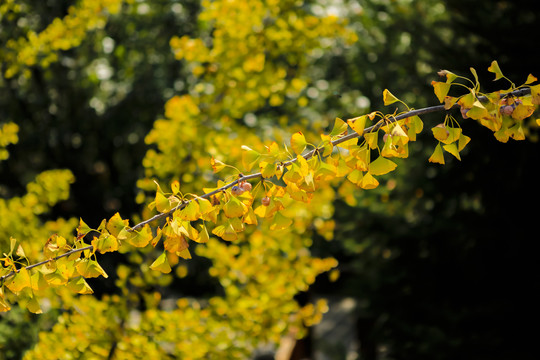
494,68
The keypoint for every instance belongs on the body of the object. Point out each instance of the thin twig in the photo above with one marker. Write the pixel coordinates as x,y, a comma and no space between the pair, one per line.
308,155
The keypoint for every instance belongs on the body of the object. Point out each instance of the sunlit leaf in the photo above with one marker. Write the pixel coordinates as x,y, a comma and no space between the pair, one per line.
20,281
381,166
161,264
249,157
280,222
116,224
217,165
298,143
89,268
368,182
339,128
389,98
358,124
437,156
141,238
80,286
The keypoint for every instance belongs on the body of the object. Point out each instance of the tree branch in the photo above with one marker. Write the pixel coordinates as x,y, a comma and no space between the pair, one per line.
308,155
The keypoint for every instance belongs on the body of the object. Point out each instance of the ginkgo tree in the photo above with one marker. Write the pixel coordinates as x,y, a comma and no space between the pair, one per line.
245,201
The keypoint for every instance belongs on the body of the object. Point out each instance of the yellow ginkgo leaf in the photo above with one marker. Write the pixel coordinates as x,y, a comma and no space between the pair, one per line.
280,222
249,157
494,68
116,224
161,264
452,149
358,124
174,243
389,98
79,286
234,208
339,128
225,231
141,238
20,281
105,243
298,142
89,268
368,182
381,166
437,156
441,89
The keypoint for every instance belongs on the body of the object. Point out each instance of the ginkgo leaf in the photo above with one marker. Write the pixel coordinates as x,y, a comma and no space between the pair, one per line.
381,166
355,176
339,128
494,68
105,243
141,238
452,149
358,124
38,281
280,222
477,111
389,98
522,111
234,208
440,132
175,243
298,142
437,156
80,286
530,79
116,224
453,135
250,218
217,165
368,182
225,231
190,212
463,141
249,157
441,89
326,146
449,102
82,229
31,304
184,254
20,281
372,139
162,202
267,169
161,264
4,306
89,268
516,132
203,234
175,187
